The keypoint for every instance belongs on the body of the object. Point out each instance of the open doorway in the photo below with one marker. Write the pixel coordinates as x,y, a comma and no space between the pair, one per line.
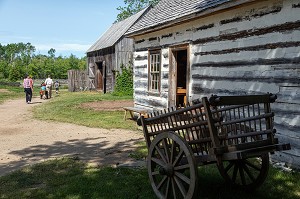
101,76
181,60
178,76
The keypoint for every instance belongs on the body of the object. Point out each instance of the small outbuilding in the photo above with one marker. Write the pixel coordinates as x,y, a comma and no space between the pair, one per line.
185,50
108,53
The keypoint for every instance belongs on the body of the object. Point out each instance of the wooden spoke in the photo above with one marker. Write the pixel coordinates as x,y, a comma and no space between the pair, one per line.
179,156
169,177
155,173
183,177
247,173
235,173
168,188
161,154
174,188
229,166
181,167
167,152
158,161
173,148
162,182
180,186
252,165
242,175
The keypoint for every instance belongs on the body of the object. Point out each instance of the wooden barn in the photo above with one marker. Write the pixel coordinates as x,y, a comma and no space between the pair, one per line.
108,53
185,50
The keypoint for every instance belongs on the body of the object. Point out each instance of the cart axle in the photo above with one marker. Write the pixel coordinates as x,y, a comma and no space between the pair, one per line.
167,170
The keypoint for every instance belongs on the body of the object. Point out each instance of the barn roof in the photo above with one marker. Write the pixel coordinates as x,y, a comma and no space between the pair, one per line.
168,12
115,32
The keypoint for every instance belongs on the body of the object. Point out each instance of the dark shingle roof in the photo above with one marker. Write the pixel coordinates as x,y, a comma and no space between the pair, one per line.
115,32
168,10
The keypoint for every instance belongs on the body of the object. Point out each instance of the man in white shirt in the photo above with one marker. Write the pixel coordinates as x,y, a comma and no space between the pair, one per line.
49,83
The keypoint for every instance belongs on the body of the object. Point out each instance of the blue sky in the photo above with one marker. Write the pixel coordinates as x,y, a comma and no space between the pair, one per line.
68,26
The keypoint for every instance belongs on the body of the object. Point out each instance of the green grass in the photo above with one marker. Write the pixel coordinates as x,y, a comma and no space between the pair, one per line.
278,185
66,107
72,179
9,92
141,151
12,92
68,178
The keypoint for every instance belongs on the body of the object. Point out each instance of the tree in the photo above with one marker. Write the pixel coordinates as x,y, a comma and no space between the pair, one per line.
132,7
51,52
18,59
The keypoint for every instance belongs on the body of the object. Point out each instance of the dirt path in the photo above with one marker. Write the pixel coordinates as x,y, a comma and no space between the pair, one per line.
24,140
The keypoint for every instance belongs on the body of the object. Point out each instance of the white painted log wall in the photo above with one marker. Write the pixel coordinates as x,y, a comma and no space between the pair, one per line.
252,78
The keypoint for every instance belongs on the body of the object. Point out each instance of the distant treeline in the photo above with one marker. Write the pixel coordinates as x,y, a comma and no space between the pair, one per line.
18,59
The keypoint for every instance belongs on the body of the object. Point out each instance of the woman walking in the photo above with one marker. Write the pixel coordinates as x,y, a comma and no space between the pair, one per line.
28,88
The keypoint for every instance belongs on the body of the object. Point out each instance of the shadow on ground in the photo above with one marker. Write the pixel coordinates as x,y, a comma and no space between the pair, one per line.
92,150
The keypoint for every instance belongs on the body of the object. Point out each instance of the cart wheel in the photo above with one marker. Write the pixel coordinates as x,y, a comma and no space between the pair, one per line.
171,167
247,174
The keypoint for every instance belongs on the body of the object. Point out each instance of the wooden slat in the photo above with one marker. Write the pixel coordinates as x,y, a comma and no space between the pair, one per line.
255,152
178,127
174,112
240,100
257,117
243,146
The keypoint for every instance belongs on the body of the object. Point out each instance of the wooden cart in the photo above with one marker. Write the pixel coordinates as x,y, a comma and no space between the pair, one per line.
235,132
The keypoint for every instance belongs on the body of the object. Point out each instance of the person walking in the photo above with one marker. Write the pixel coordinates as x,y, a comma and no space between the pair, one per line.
56,85
28,88
49,83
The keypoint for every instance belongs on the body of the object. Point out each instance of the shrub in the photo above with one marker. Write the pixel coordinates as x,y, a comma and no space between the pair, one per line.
124,81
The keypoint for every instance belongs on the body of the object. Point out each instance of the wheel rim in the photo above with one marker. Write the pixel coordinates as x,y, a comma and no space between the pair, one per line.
171,167
247,173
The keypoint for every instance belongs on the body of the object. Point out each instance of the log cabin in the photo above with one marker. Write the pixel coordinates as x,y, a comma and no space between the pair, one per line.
188,49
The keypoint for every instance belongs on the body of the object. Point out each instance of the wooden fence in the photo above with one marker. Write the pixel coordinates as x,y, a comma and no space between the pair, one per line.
77,80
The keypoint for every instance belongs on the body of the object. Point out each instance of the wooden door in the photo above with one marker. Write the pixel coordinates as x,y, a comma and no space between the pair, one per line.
99,80
100,76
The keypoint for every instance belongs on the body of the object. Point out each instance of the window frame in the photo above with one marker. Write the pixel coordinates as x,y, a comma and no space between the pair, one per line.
154,71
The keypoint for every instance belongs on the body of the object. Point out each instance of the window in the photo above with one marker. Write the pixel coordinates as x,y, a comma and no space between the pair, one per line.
154,71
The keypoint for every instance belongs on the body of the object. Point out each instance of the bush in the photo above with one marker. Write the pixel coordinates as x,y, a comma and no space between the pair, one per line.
124,82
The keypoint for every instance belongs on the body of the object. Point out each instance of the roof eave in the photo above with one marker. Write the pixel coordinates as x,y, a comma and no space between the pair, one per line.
139,14
187,18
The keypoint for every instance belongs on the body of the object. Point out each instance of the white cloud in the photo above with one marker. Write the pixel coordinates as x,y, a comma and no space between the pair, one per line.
62,47
78,50
8,37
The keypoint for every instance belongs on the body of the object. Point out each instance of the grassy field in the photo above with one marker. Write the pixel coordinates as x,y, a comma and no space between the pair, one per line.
66,108
72,179
8,92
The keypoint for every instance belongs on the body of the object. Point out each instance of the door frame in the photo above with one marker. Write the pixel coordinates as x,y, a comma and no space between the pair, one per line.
173,73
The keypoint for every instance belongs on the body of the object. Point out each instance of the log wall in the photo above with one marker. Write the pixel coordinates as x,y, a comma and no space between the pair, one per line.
250,49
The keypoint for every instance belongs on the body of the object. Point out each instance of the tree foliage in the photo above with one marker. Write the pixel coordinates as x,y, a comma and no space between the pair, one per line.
19,59
132,7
